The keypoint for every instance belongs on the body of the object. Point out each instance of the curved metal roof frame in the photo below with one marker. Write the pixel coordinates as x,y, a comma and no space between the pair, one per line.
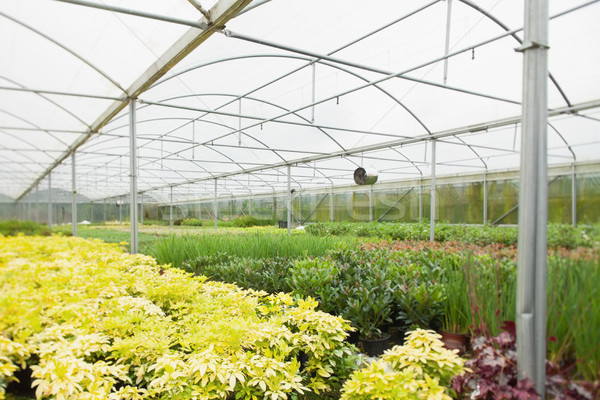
175,141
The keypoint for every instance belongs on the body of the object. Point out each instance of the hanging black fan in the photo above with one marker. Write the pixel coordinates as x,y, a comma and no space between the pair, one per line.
364,177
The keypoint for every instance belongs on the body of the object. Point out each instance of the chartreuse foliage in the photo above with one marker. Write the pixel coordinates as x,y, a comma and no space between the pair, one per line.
420,369
93,322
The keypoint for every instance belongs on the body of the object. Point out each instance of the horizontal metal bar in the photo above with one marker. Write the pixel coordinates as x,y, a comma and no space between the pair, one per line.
200,25
275,120
34,129
37,91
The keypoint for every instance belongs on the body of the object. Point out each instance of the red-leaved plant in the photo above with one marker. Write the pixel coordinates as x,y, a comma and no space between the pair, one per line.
494,373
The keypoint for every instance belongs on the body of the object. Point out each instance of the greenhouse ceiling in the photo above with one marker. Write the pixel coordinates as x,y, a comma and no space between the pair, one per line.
234,92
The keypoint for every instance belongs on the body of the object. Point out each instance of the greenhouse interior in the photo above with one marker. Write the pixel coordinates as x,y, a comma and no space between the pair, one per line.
262,199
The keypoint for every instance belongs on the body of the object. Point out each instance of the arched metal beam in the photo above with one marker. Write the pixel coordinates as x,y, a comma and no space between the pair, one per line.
65,48
34,125
501,24
48,100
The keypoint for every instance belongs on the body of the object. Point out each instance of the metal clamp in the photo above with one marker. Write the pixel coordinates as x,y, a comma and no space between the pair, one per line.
532,45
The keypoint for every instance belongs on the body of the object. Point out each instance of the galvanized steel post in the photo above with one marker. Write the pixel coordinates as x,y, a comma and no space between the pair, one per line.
420,200
50,199
573,196
141,209
216,206
312,109
37,202
171,208
289,205
133,169
371,203
533,198
74,195
447,45
331,205
485,198
432,205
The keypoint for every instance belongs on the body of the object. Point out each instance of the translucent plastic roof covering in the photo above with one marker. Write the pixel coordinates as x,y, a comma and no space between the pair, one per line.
323,86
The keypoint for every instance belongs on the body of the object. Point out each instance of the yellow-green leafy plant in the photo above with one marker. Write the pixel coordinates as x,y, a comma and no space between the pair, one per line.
93,322
12,357
420,369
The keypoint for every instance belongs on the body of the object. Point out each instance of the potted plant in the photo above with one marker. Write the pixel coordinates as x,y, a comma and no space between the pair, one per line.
420,303
420,369
369,306
456,308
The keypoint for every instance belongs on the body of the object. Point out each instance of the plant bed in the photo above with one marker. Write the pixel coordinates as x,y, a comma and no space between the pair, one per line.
107,324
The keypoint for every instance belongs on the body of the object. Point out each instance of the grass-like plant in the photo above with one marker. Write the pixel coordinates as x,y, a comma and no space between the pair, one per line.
175,250
457,310
574,312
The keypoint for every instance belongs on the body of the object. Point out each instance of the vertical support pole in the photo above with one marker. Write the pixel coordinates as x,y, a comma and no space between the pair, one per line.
171,208
371,203
289,193
533,199
120,202
133,170
485,198
312,109
50,200
240,122
104,211
216,206
432,205
74,195
92,212
300,207
573,196
37,203
420,200
29,209
447,46
251,205
141,209
331,205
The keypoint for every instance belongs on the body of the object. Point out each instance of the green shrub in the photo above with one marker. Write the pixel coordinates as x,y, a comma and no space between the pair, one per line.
192,222
559,235
247,222
420,369
120,326
14,227
269,275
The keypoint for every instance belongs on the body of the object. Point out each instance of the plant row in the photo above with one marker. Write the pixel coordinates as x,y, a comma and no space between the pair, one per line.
14,227
244,221
89,321
175,250
559,235
450,286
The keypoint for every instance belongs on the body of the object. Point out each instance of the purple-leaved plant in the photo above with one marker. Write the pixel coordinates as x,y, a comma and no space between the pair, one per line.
494,374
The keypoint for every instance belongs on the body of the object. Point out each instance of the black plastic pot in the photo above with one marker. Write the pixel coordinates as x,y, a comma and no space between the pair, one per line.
376,347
